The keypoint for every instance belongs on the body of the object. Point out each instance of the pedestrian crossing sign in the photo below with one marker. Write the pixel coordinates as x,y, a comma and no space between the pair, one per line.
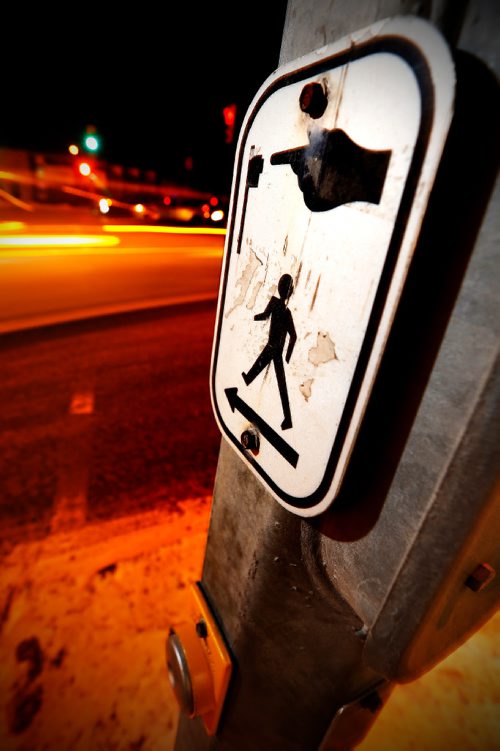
335,162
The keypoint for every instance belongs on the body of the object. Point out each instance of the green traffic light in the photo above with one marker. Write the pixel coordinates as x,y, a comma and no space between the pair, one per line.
92,143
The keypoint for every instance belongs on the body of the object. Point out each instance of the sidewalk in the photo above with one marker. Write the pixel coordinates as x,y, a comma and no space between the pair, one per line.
83,630
83,621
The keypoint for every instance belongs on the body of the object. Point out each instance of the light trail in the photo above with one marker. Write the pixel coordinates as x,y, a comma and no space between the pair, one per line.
58,241
166,230
12,226
9,198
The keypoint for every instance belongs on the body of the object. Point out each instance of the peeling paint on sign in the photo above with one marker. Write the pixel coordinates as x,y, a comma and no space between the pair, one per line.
245,279
305,388
324,351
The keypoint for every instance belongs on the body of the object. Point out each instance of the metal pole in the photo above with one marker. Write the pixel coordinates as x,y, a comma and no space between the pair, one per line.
322,616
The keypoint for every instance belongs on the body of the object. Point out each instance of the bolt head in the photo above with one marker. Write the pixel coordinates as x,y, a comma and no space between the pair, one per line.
313,99
479,579
201,629
250,439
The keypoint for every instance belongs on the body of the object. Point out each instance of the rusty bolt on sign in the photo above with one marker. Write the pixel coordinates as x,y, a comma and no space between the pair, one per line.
250,440
313,100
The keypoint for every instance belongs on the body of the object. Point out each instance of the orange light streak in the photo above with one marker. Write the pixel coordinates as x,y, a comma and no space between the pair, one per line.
11,226
167,230
58,241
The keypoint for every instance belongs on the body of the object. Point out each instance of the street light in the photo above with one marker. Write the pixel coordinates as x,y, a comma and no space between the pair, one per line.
85,169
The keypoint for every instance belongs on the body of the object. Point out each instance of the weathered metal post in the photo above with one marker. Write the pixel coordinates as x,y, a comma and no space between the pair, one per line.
324,598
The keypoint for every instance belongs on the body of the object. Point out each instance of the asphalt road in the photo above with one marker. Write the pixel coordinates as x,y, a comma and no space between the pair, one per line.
105,417
58,265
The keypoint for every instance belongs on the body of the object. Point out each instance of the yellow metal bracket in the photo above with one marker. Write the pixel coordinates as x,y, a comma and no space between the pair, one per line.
199,664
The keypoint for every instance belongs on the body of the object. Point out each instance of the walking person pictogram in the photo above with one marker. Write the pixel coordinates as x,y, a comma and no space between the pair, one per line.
281,325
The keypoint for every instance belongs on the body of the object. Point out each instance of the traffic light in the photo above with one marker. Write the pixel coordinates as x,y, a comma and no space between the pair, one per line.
91,143
91,139
229,115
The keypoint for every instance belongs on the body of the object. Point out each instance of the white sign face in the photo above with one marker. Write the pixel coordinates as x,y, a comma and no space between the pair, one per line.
335,163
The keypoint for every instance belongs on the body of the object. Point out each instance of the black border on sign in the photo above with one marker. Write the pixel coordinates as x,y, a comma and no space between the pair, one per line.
412,55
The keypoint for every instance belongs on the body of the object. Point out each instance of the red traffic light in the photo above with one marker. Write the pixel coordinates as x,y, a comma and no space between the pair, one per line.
229,115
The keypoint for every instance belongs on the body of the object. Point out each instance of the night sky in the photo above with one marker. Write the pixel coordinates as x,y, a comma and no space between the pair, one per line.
152,79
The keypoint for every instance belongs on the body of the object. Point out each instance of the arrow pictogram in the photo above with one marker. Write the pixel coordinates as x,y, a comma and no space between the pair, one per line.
286,451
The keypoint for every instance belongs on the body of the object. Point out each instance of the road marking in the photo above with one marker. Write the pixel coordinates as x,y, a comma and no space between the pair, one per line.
82,404
70,505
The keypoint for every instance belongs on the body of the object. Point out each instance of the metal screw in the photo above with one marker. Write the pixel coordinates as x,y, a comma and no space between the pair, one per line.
313,100
250,439
201,629
482,575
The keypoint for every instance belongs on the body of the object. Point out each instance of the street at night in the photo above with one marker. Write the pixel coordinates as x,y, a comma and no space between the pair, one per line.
108,457
249,377
75,265
106,418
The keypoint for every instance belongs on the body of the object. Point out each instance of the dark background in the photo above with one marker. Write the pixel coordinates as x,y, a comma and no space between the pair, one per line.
152,78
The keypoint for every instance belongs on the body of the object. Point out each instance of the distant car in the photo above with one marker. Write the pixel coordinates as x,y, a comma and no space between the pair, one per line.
176,209
191,211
